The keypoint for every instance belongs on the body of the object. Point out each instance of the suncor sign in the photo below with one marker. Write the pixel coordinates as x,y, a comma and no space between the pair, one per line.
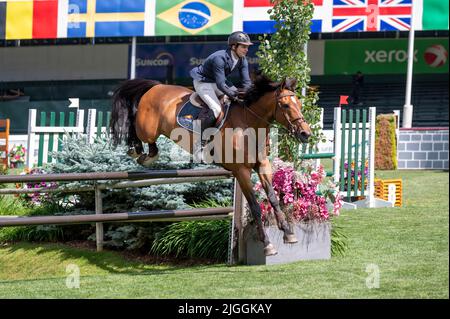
155,61
385,56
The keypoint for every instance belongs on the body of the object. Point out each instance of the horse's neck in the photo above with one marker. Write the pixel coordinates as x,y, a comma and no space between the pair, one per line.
260,114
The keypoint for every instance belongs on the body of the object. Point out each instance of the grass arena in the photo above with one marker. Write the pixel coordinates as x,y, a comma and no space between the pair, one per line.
215,150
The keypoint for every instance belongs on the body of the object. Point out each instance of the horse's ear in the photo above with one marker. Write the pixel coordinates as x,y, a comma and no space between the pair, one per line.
289,84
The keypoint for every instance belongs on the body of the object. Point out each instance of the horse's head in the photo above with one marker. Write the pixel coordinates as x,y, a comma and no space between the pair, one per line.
288,111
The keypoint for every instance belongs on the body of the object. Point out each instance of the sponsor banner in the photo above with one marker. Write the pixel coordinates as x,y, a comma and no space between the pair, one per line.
165,61
385,56
176,60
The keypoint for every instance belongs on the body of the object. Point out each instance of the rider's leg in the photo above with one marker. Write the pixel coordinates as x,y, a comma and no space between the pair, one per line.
207,92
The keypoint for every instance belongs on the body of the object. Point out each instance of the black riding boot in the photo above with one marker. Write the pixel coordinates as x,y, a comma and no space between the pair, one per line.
207,118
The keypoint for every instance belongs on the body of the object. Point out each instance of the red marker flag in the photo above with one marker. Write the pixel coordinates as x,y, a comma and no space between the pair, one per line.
343,99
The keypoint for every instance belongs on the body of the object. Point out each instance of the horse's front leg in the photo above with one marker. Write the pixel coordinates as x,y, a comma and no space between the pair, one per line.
243,175
265,176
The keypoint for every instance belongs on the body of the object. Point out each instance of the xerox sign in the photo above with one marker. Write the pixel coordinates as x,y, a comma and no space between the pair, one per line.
385,56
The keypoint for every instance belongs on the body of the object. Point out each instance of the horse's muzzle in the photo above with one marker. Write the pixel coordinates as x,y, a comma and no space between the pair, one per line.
302,136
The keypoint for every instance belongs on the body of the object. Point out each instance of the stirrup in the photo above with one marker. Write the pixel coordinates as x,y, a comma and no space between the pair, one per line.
199,155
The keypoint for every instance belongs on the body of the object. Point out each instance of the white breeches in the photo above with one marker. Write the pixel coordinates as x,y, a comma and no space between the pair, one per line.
208,92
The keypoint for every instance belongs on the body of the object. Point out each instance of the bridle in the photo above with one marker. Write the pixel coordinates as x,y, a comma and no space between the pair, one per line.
278,97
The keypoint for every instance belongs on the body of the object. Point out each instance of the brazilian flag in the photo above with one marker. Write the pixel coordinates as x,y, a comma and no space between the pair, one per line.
193,17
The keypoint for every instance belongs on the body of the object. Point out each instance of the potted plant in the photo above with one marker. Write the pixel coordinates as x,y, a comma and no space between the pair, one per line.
308,200
17,156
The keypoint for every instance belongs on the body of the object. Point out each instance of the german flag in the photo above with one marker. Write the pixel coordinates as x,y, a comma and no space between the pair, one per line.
28,19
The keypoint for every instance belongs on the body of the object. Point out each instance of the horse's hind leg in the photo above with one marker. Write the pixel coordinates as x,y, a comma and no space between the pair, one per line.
148,159
136,149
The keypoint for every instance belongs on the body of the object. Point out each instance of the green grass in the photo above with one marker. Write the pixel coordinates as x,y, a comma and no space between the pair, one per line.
409,245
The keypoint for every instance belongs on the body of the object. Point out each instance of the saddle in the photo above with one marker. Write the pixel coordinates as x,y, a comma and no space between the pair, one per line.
194,105
197,101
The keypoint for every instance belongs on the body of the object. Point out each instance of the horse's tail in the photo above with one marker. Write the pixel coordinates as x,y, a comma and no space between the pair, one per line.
124,106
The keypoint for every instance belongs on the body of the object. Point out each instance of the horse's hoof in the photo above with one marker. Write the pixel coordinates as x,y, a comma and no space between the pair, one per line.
290,239
132,152
270,250
146,160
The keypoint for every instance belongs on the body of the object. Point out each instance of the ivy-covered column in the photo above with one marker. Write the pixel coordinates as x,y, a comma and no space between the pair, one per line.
282,55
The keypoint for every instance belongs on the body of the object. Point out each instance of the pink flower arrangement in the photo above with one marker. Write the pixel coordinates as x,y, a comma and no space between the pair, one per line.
302,194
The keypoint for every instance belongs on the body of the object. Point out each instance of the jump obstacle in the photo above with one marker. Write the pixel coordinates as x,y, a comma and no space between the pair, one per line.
49,135
353,155
354,135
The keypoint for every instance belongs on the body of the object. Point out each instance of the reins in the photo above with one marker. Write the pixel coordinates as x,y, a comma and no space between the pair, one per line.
279,96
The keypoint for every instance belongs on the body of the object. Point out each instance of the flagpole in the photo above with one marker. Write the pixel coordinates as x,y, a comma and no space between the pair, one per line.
408,108
133,59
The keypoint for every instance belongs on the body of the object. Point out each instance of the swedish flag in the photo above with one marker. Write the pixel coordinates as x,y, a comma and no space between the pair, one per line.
106,18
190,17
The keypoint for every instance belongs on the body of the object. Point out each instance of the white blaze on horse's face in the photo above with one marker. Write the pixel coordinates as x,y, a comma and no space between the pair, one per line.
294,100
291,107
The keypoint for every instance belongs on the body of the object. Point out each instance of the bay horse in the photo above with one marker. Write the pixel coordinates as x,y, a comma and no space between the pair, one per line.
142,110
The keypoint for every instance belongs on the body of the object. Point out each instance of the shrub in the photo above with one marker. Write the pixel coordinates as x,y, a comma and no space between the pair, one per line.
195,239
78,156
385,142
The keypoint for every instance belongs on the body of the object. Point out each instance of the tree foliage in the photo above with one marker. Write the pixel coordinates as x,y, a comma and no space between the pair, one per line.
283,55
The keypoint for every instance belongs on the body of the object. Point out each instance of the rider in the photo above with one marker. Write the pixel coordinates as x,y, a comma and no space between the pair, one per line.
210,77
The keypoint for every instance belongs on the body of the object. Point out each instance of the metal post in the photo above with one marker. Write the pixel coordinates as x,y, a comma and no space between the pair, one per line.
133,59
98,210
408,108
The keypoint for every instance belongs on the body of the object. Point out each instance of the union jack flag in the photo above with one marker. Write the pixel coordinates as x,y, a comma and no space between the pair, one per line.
371,15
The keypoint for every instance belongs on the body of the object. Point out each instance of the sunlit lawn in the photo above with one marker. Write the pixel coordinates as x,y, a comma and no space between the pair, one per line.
408,245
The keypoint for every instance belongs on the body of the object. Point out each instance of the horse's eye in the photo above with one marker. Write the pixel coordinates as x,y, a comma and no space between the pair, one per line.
285,106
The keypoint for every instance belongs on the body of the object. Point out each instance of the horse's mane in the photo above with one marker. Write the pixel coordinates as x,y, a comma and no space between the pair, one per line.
263,84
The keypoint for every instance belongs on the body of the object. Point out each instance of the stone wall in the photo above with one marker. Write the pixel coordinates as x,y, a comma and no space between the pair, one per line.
423,148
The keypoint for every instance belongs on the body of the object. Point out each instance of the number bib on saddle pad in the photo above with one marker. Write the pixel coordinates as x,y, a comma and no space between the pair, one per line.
191,109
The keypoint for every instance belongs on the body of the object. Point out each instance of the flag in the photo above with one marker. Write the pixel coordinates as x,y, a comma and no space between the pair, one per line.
107,18
45,19
256,19
371,15
28,19
435,15
191,17
343,99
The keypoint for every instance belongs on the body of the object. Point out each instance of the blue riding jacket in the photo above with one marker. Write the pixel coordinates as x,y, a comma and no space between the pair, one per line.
217,67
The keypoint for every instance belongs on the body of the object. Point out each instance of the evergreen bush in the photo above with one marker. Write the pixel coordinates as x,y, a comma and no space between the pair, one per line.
79,156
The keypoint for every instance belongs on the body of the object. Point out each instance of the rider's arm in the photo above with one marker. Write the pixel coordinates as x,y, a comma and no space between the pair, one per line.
219,75
245,78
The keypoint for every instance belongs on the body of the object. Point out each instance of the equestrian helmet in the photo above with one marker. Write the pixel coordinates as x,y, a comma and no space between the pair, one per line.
239,37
